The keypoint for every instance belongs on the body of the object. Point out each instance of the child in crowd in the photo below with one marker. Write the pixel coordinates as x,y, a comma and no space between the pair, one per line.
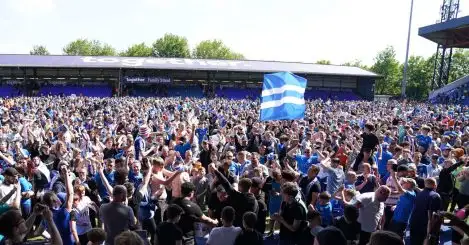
348,224
168,232
96,236
225,235
201,186
249,235
312,229
350,180
342,198
366,182
324,207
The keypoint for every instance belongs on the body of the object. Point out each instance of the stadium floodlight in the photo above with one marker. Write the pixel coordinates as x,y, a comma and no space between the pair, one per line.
404,80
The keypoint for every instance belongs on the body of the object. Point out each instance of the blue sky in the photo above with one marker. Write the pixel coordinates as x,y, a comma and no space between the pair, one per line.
286,30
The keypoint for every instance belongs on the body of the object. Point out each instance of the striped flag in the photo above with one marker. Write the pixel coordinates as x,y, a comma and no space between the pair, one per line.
283,97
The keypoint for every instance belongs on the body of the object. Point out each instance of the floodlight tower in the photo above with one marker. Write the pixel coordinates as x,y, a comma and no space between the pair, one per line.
449,10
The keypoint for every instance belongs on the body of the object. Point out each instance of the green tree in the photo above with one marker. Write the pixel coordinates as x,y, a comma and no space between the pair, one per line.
459,65
39,50
89,47
215,49
419,76
171,46
137,50
356,63
388,67
323,62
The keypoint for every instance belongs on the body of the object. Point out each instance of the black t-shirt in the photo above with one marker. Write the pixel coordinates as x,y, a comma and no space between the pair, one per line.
109,153
313,187
134,203
40,180
249,237
420,182
261,213
369,186
305,237
350,231
192,214
169,233
216,205
370,141
291,212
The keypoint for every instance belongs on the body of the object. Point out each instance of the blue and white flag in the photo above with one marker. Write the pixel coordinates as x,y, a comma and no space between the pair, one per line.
283,97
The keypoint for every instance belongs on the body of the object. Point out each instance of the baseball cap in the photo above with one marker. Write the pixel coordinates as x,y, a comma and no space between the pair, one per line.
10,172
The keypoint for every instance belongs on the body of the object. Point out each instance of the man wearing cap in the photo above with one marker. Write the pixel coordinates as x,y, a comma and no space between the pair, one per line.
9,183
434,168
6,158
141,142
413,174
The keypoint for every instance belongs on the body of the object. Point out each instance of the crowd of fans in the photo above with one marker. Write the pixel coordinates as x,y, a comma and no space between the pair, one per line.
170,171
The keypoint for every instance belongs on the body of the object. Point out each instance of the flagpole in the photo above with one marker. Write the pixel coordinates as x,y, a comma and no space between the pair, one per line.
404,80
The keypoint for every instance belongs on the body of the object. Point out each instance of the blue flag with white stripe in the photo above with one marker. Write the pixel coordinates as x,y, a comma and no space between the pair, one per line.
283,97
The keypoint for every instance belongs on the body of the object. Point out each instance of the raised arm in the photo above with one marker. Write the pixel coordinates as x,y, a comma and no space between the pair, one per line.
104,180
326,163
17,201
224,182
191,139
146,179
8,160
292,152
53,231
396,182
173,176
68,188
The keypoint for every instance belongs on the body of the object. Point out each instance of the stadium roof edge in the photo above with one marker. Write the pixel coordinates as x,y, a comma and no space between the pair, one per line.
451,33
118,62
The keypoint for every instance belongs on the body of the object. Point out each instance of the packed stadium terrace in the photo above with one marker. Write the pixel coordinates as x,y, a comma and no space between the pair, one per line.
104,90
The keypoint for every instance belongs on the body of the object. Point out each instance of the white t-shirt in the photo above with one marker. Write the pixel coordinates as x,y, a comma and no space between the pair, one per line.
82,212
223,235
370,211
4,190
